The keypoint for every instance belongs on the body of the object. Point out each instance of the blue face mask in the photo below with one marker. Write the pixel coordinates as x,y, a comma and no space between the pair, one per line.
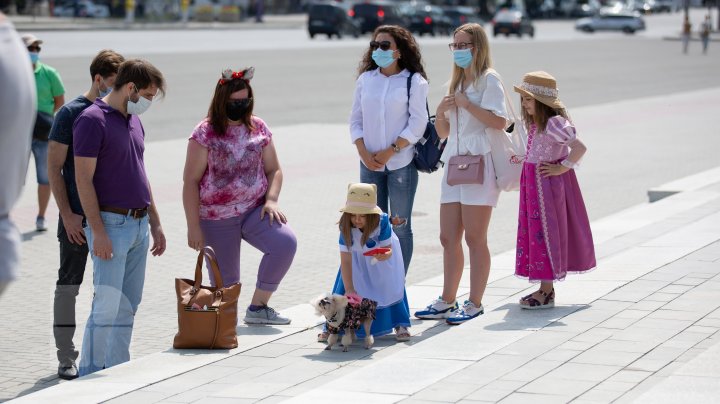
383,58
462,57
34,57
106,91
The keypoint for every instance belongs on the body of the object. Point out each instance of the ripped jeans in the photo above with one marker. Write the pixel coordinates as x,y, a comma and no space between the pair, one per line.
397,186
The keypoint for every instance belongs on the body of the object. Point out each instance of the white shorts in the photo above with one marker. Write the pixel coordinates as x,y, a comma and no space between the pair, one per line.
485,194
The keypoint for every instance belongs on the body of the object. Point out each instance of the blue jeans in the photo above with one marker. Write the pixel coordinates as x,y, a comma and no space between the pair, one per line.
397,186
40,151
118,286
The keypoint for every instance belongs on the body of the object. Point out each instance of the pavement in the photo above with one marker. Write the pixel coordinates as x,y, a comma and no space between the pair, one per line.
642,326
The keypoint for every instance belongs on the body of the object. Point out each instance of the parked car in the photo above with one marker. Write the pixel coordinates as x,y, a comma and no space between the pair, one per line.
513,21
460,15
429,19
371,14
81,8
627,22
331,19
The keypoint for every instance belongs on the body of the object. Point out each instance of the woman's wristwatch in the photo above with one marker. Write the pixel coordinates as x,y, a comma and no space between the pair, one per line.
395,147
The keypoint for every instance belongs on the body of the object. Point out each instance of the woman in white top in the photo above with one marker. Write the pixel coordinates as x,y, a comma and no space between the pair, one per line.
385,124
475,102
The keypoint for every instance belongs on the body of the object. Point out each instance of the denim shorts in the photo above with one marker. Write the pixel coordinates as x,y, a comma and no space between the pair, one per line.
40,151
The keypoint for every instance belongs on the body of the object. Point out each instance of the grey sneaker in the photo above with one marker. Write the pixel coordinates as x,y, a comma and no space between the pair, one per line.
68,372
40,224
266,315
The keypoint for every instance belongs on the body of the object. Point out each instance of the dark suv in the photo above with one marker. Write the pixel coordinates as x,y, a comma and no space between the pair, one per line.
331,19
373,13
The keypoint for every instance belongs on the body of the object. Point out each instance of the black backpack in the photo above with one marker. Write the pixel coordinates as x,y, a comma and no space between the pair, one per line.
428,149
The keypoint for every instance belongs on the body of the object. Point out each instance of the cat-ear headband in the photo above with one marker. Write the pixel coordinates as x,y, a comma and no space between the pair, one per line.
229,75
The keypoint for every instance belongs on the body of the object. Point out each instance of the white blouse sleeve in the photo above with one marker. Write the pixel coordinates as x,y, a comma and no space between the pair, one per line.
493,98
356,116
418,116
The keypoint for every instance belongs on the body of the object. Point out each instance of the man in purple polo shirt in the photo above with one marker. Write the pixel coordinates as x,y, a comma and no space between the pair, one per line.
118,205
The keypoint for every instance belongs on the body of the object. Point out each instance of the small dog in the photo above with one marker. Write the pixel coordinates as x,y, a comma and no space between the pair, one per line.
346,313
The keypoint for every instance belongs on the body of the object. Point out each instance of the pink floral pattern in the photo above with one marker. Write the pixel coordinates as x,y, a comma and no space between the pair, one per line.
235,181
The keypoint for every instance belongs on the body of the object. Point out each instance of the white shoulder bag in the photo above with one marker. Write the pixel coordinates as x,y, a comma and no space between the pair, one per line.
508,149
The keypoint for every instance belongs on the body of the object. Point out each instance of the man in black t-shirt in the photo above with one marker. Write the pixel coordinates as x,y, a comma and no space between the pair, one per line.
73,246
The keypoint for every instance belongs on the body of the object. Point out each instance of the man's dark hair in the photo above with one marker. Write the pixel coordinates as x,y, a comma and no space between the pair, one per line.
140,72
106,63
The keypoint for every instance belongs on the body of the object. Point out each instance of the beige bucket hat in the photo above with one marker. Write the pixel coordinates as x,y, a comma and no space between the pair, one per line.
361,200
30,39
542,87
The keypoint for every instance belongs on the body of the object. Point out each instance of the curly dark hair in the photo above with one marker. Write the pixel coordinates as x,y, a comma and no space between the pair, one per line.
409,50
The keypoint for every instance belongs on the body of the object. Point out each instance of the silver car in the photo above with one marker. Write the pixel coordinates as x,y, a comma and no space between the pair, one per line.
625,22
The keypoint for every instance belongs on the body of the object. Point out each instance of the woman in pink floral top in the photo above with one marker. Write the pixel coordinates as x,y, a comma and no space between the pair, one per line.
554,235
232,182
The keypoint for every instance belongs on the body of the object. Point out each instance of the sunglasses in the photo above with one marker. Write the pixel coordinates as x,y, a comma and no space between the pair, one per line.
34,48
384,45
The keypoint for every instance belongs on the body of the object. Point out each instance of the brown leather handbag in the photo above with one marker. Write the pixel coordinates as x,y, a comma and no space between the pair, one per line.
207,316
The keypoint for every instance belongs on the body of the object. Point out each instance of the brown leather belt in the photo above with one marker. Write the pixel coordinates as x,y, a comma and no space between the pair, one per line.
134,213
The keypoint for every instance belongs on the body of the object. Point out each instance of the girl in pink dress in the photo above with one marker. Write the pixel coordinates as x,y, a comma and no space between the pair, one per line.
554,235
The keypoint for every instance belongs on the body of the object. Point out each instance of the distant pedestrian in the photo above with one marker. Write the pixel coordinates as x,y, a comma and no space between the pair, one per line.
109,144
475,102
50,97
385,124
686,33
705,33
18,99
259,10
371,263
554,235
61,173
231,188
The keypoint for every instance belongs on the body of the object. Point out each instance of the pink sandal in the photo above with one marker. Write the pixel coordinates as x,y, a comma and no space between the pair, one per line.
402,334
530,303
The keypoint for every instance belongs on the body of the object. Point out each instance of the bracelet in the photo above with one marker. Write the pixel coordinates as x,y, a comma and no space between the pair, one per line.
569,164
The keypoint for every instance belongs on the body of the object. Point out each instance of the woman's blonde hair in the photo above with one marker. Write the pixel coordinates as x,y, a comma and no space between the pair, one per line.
480,52
372,221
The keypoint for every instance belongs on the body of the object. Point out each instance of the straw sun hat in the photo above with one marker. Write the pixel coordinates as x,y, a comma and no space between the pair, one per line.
361,200
542,87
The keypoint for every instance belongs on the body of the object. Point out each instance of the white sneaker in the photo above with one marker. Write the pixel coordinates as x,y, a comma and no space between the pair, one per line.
438,308
467,312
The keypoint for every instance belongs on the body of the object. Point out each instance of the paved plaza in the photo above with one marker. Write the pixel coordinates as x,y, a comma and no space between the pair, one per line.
642,327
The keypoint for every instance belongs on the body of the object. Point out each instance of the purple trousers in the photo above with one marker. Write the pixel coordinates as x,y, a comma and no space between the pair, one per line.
277,242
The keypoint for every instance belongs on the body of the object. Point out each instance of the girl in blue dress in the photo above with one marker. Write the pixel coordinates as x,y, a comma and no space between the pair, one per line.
371,263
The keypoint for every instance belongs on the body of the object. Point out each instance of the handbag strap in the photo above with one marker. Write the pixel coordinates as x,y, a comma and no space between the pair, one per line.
505,93
509,103
210,254
409,81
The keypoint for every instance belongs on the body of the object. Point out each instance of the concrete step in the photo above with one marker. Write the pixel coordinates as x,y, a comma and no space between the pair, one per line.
637,249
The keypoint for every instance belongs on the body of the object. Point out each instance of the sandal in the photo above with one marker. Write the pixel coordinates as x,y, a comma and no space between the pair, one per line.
530,303
402,334
323,337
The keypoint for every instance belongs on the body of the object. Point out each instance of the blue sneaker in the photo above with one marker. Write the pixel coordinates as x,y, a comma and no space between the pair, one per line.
437,309
468,312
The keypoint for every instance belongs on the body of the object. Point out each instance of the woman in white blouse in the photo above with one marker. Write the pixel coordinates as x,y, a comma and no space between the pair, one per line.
385,124
475,102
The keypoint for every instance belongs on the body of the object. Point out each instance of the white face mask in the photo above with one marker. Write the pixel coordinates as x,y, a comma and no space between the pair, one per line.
139,106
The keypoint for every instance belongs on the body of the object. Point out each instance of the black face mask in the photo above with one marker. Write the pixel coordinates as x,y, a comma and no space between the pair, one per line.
236,109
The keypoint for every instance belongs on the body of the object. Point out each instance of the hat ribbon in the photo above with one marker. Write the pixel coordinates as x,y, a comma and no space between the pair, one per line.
542,90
